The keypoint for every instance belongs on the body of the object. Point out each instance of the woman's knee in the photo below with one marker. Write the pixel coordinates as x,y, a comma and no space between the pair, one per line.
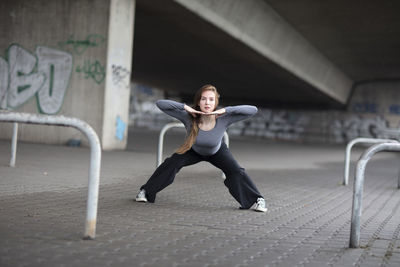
234,171
174,158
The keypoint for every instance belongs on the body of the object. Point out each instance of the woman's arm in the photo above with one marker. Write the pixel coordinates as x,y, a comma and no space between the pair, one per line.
238,113
174,109
218,112
192,111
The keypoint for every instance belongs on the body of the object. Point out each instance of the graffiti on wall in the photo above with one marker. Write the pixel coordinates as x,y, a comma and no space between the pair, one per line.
3,83
273,124
374,108
91,68
44,74
284,125
80,46
119,73
394,109
354,126
120,128
365,107
372,119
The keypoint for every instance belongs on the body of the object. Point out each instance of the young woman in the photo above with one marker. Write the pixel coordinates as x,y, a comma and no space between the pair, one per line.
206,127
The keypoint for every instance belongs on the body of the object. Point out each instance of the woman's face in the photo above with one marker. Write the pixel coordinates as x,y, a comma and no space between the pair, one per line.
207,101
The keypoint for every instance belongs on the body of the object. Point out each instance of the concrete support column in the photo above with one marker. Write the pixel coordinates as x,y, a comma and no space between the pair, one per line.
118,74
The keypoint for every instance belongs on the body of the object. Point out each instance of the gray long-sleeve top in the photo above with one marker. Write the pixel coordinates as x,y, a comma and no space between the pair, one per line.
207,142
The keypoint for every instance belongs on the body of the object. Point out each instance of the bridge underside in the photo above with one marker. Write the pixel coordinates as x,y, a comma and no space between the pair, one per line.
274,53
178,51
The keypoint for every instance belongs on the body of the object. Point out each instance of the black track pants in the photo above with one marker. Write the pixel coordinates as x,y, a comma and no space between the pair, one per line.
238,182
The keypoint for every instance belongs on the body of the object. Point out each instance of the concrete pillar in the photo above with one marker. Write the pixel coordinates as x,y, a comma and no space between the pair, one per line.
118,74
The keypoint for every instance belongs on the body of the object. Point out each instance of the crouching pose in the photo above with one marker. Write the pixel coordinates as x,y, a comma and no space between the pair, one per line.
205,127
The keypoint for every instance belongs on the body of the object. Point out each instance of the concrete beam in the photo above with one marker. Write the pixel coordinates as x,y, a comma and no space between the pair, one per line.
257,25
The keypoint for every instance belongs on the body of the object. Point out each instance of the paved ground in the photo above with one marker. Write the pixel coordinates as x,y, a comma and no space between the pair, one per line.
195,222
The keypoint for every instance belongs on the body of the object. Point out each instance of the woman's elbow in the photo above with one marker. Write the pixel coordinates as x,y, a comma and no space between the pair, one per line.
162,104
253,110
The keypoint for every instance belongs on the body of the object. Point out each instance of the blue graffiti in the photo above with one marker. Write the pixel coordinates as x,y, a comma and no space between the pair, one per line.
120,129
366,107
394,109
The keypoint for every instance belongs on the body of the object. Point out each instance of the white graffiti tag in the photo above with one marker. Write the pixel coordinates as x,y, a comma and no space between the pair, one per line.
284,125
24,82
3,83
57,66
25,75
351,127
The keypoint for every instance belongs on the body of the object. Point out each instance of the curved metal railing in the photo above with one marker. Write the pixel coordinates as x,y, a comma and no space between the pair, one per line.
358,188
95,156
348,151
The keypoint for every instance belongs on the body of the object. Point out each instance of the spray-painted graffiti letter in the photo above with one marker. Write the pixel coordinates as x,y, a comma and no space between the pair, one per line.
24,81
57,65
92,70
3,83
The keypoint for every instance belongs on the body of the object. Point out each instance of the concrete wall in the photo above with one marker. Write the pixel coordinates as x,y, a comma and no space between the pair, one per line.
53,56
373,111
71,58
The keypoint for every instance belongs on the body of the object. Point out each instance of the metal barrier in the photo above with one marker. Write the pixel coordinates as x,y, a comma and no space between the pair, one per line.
358,188
95,156
14,145
161,140
348,150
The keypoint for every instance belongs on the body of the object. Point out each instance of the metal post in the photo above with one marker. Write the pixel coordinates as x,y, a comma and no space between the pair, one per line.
14,141
398,182
398,175
348,150
95,157
226,141
357,204
358,188
94,182
161,139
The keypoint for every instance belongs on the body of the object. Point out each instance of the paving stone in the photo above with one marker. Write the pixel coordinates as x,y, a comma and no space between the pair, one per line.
195,222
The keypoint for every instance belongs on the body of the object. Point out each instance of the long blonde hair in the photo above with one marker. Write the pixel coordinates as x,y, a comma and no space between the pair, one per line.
191,137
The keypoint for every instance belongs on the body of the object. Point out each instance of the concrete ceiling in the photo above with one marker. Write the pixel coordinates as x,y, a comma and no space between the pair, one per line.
177,51
362,37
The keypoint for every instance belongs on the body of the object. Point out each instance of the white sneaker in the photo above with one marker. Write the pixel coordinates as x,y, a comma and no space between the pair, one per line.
260,205
141,196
